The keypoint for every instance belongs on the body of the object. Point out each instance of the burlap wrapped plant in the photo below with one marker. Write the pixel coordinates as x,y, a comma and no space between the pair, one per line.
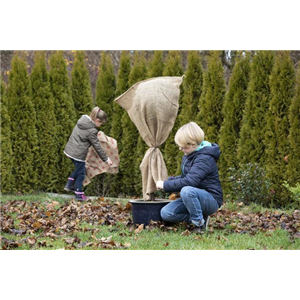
152,105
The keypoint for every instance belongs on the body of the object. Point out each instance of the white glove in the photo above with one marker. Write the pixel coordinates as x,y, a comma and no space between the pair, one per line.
159,185
109,162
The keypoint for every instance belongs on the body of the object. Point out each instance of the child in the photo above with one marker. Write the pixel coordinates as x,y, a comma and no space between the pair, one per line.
83,136
199,185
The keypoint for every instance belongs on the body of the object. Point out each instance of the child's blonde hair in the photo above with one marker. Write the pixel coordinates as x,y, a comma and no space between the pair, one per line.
189,133
97,113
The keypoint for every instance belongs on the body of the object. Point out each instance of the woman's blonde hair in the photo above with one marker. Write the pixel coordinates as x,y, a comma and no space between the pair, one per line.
97,113
189,133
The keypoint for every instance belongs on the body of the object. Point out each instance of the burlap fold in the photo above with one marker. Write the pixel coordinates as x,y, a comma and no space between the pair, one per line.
152,105
94,164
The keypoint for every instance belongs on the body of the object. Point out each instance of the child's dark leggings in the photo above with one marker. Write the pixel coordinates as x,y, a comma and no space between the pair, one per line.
78,174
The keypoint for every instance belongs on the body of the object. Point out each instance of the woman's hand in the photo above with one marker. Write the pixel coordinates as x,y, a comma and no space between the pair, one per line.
159,185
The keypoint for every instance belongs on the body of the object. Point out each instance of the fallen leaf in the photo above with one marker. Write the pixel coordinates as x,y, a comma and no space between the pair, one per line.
186,232
173,196
31,240
139,229
37,225
69,240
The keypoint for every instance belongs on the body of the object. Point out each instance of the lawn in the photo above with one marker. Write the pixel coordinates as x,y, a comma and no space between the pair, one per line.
47,222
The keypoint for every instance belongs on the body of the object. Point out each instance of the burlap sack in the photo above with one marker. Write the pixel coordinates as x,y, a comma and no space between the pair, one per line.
94,164
152,105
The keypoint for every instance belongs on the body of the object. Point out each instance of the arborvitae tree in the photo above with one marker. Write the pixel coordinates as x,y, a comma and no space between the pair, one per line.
122,86
293,168
129,160
139,69
116,128
233,108
7,160
64,113
156,65
282,83
81,86
46,161
251,146
173,67
23,127
211,102
105,89
105,95
192,88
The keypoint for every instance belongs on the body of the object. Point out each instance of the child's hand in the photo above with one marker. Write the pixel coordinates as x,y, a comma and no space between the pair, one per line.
109,162
159,185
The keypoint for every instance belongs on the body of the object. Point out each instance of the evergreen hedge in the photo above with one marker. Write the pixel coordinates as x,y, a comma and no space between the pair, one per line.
47,159
7,161
23,127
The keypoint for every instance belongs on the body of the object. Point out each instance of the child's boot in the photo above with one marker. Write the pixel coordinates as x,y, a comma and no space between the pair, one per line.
70,186
80,196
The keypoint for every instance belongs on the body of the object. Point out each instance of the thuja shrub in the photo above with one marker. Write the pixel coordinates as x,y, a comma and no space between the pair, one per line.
295,191
250,185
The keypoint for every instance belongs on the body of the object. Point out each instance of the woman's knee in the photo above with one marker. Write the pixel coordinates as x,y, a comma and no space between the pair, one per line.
186,192
166,214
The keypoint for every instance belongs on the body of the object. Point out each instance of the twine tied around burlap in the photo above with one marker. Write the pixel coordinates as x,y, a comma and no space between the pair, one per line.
152,105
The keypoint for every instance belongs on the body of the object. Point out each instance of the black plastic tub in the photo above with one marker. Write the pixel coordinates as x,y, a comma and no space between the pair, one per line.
145,211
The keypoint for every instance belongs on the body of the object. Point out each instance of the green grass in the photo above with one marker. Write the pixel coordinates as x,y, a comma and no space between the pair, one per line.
153,238
253,208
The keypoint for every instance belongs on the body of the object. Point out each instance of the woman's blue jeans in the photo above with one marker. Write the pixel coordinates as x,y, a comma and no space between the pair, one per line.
192,207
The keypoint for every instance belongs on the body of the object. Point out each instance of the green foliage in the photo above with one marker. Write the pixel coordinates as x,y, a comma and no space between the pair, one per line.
46,160
139,69
251,146
123,74
129,162
173,67
282,82
293,168
122,86
250,185
7,160
295,191
127,156
64,113
192,89
105,95
156,65
261,122
233,108
81,86
105,90
23,127
116,127
211,102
